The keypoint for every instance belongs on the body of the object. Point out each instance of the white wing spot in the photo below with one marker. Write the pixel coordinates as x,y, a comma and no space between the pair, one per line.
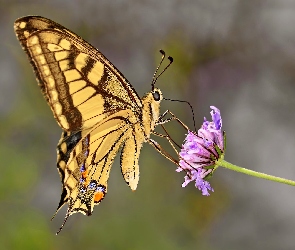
46,70
33,40
26,33
53,95
50,81
22,25
57,108
41,59
63,122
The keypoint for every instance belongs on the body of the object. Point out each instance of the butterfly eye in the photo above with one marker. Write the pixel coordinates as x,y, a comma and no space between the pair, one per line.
156,95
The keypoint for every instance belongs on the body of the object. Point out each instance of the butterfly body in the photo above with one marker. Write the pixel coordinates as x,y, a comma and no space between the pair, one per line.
96,107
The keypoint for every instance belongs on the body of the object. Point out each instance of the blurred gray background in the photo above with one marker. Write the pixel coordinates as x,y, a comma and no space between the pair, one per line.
236,55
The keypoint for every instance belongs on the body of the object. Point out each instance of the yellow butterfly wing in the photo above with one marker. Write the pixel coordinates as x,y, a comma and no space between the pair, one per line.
81,86
94,104
91,159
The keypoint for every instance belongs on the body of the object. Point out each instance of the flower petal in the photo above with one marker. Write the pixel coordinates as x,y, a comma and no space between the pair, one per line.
200,152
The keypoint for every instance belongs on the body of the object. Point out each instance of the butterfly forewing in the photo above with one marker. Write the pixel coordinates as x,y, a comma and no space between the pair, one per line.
97,108
75,78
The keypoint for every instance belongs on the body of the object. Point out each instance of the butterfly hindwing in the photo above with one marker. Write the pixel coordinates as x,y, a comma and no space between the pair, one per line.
130,155
88,164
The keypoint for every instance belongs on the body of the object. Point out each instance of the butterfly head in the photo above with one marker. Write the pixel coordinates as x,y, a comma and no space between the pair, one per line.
151,101
153,97
157,95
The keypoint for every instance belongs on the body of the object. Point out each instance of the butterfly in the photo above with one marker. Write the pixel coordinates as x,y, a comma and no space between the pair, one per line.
97,108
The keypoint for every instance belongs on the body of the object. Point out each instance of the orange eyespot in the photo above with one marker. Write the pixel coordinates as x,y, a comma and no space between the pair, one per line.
85,174
98,196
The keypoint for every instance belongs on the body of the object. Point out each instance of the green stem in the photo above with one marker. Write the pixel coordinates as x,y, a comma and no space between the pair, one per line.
225,164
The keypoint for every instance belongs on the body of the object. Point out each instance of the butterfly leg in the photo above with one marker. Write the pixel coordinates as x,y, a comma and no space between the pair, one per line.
163,152
168,138
158,147
161,119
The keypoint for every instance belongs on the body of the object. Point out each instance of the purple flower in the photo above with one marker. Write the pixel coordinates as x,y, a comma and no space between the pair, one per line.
200,152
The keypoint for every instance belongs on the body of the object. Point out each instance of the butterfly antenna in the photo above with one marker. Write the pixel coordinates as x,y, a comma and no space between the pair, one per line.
155,78
167,99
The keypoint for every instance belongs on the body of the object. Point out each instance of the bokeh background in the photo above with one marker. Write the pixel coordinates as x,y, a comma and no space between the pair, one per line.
237,55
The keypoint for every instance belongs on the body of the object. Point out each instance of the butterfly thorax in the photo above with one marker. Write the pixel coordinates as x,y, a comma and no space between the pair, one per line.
151,110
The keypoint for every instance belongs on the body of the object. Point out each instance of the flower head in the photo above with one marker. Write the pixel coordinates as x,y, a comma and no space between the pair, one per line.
201,151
